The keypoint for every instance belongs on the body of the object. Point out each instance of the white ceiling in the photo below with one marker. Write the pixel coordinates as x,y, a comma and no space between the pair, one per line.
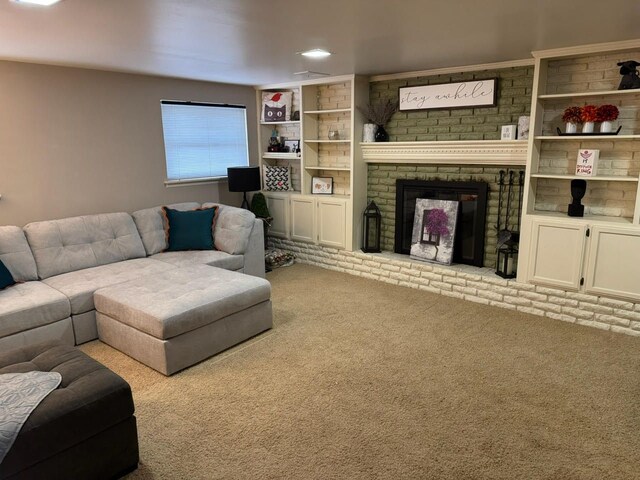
255,41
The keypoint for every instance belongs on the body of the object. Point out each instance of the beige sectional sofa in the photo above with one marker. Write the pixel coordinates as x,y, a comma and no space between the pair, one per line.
62,263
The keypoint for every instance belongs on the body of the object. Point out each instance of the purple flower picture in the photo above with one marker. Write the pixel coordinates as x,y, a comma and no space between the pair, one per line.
433,230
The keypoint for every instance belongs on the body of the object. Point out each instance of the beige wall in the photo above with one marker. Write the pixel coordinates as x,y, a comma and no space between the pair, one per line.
76,141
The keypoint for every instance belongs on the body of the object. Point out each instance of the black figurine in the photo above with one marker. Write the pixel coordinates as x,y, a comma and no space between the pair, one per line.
630,78
578,189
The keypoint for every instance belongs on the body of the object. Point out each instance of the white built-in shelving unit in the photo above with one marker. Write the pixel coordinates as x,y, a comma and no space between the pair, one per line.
324,105
598,253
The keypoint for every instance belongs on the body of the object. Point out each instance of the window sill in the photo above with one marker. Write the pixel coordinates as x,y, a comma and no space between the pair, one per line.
194,181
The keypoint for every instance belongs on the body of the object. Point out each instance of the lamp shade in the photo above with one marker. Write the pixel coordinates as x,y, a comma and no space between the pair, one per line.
243,179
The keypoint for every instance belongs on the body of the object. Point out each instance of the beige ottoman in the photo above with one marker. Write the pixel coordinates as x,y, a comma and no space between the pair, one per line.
174,319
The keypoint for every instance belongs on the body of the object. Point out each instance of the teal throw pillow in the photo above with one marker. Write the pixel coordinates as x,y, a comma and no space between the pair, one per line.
190,230
6,279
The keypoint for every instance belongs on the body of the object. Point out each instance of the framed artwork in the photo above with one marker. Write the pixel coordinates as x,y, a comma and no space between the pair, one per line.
434,228
292,146
476,93
276,106
322,185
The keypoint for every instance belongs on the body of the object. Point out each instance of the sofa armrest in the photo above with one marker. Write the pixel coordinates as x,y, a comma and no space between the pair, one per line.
254,254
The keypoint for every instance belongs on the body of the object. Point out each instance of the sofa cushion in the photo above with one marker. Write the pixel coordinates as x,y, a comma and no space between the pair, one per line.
70,244
151,225
16,254
190,230
214,258
29,305
79,286
233,228
181,300
6,280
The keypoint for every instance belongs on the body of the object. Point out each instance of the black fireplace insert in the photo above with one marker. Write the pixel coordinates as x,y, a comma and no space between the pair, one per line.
470,229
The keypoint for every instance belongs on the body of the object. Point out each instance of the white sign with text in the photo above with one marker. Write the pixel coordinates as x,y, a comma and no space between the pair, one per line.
477,93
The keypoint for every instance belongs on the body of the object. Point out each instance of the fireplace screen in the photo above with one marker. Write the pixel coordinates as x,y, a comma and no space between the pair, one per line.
470,228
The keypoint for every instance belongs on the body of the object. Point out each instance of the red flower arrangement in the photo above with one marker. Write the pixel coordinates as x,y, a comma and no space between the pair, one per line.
572,115
589,113
607,113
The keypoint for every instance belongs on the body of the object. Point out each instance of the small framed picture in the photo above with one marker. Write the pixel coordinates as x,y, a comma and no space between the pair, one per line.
292,146
322,185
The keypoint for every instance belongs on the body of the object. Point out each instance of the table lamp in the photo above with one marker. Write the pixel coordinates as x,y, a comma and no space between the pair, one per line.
244,179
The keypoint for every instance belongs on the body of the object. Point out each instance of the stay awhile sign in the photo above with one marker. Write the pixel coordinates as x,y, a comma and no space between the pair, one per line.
477,93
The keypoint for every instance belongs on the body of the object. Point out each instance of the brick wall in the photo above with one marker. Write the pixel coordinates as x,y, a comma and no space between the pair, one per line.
382,189
595,72
514,100
472,284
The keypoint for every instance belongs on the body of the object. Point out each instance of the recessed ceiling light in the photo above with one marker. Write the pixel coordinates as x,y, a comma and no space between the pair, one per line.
315,53
44,3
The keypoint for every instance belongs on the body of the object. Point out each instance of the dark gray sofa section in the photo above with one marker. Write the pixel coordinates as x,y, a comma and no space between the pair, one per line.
86,428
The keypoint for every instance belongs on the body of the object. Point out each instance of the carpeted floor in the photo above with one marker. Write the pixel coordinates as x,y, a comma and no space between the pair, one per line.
360,380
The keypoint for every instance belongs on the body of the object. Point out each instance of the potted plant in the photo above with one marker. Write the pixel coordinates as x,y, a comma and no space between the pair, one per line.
379,114
606,115
588,115
571,117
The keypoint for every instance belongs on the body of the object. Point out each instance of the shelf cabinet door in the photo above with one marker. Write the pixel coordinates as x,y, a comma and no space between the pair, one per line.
303,219
279,209
332,214
556,256
613,262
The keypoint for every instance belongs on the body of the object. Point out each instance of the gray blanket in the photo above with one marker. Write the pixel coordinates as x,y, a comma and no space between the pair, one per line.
20,394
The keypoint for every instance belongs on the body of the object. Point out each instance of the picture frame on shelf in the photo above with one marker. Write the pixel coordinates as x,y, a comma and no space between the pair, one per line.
292,146
276,106
322,185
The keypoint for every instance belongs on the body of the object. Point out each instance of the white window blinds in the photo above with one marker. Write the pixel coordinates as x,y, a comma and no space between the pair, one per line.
201,140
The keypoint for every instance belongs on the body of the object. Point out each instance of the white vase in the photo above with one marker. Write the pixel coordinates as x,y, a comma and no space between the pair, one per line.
587,127
571,127
369,132
606,127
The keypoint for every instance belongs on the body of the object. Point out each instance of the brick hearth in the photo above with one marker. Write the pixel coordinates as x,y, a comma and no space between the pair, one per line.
473,284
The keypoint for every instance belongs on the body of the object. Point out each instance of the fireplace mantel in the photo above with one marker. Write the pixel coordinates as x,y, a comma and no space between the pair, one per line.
465,152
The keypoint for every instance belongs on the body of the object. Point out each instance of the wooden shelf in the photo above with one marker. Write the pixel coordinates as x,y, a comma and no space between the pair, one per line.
569,138
603,93
323,195
327,141
602,178
280,156
289,122
342,169
334,110
586,218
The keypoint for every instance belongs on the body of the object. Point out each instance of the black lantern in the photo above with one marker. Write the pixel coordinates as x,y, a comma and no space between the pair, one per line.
243,179
507,260
372,223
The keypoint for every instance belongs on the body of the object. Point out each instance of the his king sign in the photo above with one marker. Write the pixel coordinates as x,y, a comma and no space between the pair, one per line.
587,163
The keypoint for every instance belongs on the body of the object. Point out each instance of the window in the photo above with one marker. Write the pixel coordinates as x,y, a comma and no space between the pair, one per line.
201,140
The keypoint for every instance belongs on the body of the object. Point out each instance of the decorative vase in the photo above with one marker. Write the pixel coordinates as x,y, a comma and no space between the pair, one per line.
369,132
381,134
606,127
587,127
571,127
333,133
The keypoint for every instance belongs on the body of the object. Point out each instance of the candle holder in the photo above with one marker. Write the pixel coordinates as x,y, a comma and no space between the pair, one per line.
506,266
